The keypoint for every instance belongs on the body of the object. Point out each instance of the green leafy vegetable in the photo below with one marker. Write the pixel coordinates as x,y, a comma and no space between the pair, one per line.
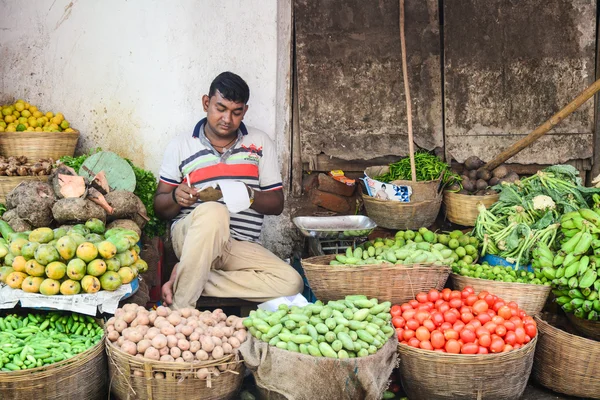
2,209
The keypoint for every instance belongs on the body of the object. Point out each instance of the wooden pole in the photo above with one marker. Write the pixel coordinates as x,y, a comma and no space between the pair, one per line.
411,146
545,127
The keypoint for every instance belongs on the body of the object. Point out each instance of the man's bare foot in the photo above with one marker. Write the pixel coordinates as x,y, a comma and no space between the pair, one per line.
167,293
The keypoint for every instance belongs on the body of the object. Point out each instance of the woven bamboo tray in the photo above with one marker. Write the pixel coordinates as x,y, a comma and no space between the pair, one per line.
566,363
461,209
38,144
82,377
531,298
8,183
590,329
430,375
395,283
398,215
135,378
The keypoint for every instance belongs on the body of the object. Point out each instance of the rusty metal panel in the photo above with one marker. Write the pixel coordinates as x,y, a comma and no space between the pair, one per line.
351,94
509,66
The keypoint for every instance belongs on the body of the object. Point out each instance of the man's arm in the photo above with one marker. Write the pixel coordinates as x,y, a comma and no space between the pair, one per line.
269,202
168,204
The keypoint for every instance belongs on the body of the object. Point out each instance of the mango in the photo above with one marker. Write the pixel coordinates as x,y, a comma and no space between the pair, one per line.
113,232
122,243
126,274
8,260
15,279
66,247
4,272
81,229
76,269
45,254
140,265
28,250
126,258
56,270
112,264
90,284
34,268
77,237
3,250
136,248
96,267
106,249
59,232
41,235
95,225
19,263
93,238
110,280
31,284
87,251
16,245
70,287
50,287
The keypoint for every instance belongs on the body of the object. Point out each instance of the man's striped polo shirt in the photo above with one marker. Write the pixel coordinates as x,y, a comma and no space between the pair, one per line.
252,160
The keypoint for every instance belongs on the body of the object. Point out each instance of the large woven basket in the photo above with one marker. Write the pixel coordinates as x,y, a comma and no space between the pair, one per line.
461,209
135,378
38,144
431,375
590,329
395,283
421,191
531,298
566,363
8,183
82,377
397,215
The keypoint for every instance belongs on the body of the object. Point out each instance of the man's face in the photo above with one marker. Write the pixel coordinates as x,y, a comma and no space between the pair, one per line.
223,116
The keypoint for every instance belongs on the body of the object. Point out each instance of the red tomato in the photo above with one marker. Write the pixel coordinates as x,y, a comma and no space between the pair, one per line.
469,289
481,331
451,334
469,348
412,324
446,294
443,307
433,295
497,345
485,340
414,342
452,346
498,320
398,322
413,303
458,326
500,330
428,306
507,347
437,339
422,333
421,297
482,294
482,350
476,323
429,324
400,333
505,312
455,294
437,318
426,345
520,334
509,325
408,334
483,318
464,309
464,293
531,330
480,307
405,307
490,326
510,338
471,299
517,321
490,299
450,317
467,336
512,304
499,303
439,302
396,310
491,313
466,317
422,315
470,327
445,326
455,303
527,339
409,314
517,346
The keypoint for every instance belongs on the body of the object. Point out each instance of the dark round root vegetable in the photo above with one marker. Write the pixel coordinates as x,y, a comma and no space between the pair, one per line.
77,210
512,177
472,175
468,185
484,174
481,184
464,192
473,163
489,192
480,192
453,188
494,181
500,172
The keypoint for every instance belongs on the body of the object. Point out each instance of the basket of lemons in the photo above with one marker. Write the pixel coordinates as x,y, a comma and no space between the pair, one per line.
25,130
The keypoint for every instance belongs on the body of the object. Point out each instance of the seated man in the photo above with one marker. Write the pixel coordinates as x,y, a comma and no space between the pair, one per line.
219,254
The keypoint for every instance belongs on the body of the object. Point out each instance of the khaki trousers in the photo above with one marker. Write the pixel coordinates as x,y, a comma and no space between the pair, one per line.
211,263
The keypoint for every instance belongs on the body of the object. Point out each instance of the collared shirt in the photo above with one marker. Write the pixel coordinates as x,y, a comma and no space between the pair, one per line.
252,159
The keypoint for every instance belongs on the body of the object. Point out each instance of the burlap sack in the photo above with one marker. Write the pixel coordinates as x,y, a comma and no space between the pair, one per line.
282,374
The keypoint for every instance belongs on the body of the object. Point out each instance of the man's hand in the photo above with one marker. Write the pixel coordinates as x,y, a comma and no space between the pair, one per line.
184,195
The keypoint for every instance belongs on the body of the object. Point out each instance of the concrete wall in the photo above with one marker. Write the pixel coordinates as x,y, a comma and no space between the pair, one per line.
130,74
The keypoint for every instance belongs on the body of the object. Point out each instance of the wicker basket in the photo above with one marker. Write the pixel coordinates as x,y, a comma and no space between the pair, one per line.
430,375
38,144
566,363
461,209
82,377
531,298
401,216
134,378
8,183
421,191
590,329
395,283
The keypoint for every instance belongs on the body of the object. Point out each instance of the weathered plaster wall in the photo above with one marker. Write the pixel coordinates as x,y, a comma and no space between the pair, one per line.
351,91
130,74
510,65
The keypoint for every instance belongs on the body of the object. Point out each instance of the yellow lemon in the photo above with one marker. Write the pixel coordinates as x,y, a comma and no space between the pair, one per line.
9,119
53,127
22,120
69,130
16,114
49,115
65,124
11,129
60,115
26,113
36,114
2,129
29,129
56,120
2,123
39,129
27,106
33,110
19,106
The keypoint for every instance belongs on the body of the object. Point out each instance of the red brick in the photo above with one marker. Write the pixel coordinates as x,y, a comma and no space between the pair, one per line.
330,185
310,182
330,201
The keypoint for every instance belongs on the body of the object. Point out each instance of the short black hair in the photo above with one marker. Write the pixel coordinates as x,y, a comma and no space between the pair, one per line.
231,86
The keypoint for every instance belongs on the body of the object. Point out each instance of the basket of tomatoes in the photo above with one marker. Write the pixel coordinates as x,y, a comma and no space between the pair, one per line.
462,344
